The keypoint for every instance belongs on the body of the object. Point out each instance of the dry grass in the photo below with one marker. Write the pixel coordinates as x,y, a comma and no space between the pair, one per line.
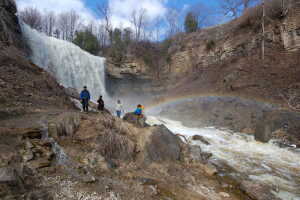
252,17
114,143
115,146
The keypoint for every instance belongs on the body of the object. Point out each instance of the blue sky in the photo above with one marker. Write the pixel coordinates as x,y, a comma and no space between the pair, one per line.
121,9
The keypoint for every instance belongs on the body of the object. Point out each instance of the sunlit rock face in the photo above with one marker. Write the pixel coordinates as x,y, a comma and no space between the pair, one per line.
71,66
290,29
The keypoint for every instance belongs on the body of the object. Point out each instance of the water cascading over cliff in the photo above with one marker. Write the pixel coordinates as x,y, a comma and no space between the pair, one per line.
71,66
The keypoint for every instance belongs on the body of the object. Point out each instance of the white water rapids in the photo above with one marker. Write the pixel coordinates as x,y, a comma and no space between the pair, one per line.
266,163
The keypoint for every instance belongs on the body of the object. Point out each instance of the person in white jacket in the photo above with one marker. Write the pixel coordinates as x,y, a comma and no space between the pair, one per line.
119,108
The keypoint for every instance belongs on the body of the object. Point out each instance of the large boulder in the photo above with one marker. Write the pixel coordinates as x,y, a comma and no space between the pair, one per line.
257,191
278,120
139,121
159,144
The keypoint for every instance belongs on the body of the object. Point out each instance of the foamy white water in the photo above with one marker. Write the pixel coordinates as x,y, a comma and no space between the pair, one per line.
71,66
266,163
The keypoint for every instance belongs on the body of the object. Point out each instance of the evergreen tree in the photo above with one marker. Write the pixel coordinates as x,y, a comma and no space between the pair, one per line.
190,23
87,41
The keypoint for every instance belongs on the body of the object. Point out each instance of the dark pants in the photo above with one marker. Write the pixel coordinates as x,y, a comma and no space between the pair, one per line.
85,105
119,113
100,107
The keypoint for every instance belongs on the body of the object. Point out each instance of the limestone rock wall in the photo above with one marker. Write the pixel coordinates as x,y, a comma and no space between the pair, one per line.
10,31
290,29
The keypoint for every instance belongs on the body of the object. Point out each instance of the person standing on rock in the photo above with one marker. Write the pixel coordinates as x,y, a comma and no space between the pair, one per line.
100,104
119,108
85,98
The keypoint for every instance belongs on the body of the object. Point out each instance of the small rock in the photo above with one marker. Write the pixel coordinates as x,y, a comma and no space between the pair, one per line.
224,194
209,169
28,144
248,131
201,139
135,119
28,156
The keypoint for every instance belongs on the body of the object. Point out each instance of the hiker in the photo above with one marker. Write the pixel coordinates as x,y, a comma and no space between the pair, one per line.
119,108
85,98
100,104
139,110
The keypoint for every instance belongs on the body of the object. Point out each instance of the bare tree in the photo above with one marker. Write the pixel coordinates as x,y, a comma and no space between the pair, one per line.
173,22
105,12
32,17
49,22
139,21
74,20
63,25
235,8
157,27
263,30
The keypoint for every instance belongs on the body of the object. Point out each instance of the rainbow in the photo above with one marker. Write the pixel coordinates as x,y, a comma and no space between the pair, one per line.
175,99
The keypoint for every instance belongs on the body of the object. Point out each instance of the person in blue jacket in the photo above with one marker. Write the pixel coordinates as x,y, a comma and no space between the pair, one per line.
85,98
139,110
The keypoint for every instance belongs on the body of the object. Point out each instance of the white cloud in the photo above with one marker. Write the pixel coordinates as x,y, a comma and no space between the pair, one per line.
121,9
59,6
124,8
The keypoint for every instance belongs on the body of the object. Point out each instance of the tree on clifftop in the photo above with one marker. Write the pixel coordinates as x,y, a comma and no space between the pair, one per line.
190,23
87,41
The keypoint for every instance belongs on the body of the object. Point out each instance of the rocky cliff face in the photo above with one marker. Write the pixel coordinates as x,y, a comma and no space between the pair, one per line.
10,31
290,29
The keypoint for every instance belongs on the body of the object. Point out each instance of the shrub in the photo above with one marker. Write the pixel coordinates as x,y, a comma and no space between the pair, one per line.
211,44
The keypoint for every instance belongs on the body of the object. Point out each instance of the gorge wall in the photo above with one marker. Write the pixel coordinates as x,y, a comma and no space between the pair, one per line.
226,59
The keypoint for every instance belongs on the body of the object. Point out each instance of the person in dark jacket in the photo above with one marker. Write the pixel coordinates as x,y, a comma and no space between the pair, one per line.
85,98
100,104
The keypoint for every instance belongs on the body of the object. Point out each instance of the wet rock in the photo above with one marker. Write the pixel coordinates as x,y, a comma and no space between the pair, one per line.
248,131
201,139
197,154
263,133
258,191
161,145
139,121
273,121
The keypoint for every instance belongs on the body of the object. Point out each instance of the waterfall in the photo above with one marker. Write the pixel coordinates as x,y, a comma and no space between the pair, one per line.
71,66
